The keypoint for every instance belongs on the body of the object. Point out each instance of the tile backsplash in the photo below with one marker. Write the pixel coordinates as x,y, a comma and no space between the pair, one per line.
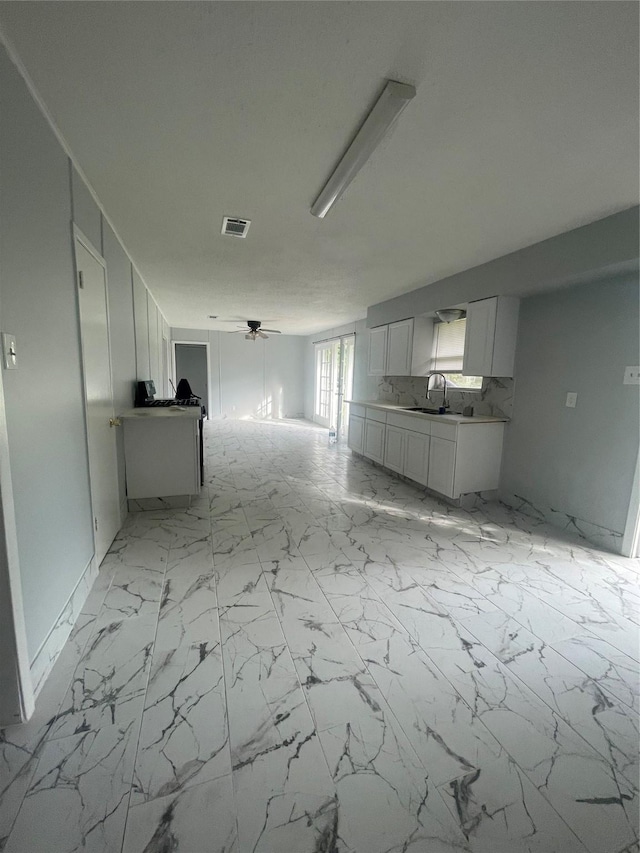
495,399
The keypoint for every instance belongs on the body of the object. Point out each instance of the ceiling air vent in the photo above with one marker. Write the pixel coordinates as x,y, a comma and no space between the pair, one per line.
232,227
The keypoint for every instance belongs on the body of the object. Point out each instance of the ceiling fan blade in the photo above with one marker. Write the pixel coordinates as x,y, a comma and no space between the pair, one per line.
261,334
235,331
274,331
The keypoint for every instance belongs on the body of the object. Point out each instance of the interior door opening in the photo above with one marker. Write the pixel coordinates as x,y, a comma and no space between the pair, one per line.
191,362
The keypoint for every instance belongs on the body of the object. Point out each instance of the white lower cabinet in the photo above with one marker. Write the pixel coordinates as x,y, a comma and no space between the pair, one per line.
394,449
416,457
374,433
356,433
442,466
451,458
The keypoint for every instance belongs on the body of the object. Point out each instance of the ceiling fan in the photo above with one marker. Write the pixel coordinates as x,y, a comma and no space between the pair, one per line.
253,331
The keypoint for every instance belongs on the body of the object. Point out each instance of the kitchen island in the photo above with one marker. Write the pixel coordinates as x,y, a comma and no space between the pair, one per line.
162,456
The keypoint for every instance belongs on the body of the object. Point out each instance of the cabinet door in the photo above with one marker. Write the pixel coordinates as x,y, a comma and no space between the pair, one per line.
378,350
479,337
356,433
442,465
394,449
399,348
374,440
416,457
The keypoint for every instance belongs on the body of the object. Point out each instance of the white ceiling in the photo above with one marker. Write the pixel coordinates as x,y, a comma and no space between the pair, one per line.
525,125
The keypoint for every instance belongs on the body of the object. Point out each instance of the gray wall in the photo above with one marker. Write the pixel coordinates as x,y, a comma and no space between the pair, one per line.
365,387
608,244
578,461
40,194
44,397
247,378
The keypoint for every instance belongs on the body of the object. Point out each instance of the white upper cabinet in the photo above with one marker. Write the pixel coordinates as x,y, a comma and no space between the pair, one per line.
399,348
378,350
402,348
490,340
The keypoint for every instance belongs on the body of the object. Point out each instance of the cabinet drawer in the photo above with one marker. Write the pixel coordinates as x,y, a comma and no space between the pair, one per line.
376,415
416,424
355,409
440,430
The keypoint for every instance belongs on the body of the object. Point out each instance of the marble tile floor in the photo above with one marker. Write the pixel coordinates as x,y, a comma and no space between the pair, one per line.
319,657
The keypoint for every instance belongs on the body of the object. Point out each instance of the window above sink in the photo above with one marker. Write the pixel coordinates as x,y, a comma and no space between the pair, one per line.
447,355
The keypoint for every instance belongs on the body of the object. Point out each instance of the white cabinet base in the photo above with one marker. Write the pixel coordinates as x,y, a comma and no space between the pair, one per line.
162,454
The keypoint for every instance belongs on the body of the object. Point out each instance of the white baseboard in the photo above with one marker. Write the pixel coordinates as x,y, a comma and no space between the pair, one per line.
48,652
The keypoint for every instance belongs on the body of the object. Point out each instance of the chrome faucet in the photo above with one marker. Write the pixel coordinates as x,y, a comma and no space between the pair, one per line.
444,388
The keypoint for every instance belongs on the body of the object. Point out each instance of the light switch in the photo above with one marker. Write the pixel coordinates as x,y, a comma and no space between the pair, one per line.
631,376
572,399
9,352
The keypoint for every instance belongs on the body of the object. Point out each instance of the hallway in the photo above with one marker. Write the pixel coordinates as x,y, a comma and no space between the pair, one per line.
318,657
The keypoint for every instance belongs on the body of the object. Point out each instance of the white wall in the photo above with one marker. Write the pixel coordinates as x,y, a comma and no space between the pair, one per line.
252,378
365,387
40,194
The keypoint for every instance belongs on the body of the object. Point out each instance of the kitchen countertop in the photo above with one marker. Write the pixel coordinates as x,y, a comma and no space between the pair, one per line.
164,412
449,418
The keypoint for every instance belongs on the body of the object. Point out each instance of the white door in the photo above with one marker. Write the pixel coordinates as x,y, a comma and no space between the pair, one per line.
394,449
399,348
378,350
96,357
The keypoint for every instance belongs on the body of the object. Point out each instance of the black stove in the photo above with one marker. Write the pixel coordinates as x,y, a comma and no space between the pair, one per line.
189,401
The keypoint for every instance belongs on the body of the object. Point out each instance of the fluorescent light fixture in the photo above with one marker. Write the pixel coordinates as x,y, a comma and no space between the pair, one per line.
394,98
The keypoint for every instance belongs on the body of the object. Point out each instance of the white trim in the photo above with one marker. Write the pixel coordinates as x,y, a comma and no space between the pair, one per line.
631,537
17,703
53,643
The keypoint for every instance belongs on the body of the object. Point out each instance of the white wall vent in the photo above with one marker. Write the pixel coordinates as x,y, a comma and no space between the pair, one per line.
232,227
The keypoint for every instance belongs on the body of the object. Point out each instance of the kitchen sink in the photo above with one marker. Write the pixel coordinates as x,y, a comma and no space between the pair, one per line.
423,410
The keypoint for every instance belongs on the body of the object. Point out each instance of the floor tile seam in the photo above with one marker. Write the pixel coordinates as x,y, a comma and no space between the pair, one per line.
580,628
303,692
576,588
368,670
134,762
24,796
594,678
504,668
226,710
468,704
511,758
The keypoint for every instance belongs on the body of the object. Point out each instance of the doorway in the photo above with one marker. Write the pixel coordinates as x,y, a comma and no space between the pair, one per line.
334,361
96,365
191,362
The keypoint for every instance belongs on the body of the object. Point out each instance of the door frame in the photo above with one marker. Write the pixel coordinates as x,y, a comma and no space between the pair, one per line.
88,245
631,537
17,703
342,429
174,377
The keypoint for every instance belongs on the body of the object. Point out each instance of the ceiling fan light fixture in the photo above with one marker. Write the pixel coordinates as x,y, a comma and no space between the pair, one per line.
450,315
393,99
